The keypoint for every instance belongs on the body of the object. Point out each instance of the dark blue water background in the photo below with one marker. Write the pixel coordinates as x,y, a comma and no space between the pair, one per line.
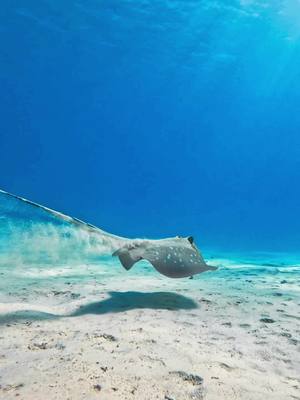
157,118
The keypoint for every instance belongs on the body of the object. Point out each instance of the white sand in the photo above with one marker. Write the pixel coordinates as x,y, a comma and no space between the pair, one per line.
119,351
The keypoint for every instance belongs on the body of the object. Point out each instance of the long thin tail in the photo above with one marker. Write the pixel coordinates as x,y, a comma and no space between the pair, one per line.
114,241
57,214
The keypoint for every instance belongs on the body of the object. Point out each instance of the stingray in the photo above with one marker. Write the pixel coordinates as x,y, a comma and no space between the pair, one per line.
176,257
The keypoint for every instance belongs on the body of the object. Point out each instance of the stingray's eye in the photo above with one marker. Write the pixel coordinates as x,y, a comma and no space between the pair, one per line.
190,239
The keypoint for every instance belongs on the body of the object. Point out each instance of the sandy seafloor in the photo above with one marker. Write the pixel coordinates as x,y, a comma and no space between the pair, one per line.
99,332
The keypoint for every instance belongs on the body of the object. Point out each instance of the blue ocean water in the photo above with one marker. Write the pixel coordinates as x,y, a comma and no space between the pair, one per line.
151,119
157,118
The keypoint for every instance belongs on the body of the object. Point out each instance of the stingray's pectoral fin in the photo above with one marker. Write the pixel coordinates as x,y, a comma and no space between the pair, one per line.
127,257
211,268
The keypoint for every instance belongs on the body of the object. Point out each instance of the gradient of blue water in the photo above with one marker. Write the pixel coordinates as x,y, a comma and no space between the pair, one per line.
157,118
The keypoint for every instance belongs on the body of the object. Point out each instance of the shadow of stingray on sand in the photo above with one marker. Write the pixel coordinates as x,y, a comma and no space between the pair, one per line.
117,302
